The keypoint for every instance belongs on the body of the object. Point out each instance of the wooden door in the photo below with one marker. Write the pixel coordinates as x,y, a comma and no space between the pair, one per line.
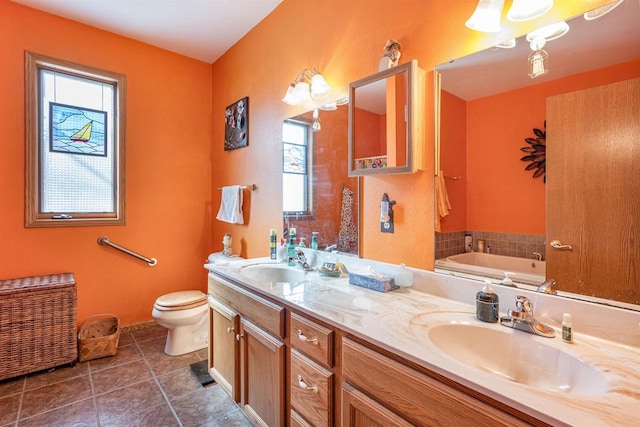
224,357
593,190
262,375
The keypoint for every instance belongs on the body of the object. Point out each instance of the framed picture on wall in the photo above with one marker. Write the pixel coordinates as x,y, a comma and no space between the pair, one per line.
236,125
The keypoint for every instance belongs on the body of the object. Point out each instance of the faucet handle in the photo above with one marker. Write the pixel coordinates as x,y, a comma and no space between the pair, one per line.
523,304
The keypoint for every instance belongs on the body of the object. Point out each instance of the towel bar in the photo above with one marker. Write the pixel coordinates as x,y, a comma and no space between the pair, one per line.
253,187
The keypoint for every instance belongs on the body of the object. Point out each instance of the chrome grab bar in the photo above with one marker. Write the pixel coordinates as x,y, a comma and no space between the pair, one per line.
105,241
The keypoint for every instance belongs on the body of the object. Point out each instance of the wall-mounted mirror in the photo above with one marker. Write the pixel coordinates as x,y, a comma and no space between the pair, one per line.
489,106
318,194
386,125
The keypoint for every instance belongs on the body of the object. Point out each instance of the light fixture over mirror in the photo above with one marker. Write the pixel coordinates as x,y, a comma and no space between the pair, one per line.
309,87
486,17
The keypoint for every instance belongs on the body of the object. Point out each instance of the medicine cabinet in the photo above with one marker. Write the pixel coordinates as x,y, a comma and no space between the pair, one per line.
386,122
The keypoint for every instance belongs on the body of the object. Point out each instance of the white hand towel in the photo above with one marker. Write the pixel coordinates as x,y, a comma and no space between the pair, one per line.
231,205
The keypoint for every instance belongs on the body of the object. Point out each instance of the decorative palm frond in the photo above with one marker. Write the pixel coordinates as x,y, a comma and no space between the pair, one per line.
536,153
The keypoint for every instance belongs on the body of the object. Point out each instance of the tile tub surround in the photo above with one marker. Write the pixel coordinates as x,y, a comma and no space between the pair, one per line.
139,386
605,337
509,244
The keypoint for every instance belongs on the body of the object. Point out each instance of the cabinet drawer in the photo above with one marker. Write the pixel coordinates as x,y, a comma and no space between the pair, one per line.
418,398
312,339
296,420
311,390
268,315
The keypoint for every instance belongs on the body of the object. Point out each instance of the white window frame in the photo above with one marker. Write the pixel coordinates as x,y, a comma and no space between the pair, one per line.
34,217
309,212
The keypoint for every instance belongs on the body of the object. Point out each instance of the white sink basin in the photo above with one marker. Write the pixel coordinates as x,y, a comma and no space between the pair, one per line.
273,273
516,356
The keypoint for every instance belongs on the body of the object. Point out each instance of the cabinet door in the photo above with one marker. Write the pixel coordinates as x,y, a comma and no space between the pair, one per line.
358,410
262,375
224,357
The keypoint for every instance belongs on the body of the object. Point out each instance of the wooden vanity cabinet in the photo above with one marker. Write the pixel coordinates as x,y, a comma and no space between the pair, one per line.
311,377
378,390
224,361
259,351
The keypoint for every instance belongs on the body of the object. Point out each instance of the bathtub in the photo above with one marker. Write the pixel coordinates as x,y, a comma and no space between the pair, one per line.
481,265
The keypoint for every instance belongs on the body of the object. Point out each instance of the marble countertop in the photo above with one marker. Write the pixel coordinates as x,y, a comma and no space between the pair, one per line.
400,321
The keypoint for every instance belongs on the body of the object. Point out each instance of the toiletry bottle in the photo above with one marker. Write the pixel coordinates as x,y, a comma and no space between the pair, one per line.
314,240
291,249
468,242
567,328
507,280
272,243
480,245
487,304
488,249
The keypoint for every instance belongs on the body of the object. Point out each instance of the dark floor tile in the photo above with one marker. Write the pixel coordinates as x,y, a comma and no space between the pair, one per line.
125,354
78,414
119,376
153,347
55,395
126,338
12,386
165,364
178,383
9,408
149,332
233,418
204,406
158,416
203,353
130,400
51,376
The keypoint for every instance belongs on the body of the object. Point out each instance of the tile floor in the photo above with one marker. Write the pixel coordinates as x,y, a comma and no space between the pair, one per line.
139,386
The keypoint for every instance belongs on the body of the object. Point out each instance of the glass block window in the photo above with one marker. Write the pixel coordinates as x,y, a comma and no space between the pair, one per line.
75,144
296,168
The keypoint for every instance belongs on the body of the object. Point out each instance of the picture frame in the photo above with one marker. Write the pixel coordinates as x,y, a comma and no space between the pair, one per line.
236,125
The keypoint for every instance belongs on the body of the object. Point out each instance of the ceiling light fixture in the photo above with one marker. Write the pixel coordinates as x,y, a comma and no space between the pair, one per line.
601,11
538,59
308,86
524,10
550,32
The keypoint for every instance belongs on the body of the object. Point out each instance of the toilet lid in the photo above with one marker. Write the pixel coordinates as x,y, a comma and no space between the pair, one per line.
181,300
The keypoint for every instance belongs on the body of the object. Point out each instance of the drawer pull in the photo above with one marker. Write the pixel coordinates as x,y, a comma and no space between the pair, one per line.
302,337
304,385
230,329
239,337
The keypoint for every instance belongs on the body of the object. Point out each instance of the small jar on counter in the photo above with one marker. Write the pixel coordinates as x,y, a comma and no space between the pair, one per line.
487,304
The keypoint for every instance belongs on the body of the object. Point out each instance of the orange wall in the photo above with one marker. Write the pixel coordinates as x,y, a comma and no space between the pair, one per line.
175,134
495,130
168,170
344,40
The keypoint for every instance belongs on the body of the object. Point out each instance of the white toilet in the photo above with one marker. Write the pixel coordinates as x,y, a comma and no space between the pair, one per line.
186,315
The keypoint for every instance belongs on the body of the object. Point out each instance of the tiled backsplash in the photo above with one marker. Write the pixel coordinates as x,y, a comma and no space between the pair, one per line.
510,244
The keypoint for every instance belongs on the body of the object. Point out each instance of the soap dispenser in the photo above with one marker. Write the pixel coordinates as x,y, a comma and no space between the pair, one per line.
507,280
487,304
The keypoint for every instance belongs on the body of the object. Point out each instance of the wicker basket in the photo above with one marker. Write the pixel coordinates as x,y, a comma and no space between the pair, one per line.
98,337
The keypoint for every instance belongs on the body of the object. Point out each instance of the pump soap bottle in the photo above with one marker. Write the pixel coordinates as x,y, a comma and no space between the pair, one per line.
487,304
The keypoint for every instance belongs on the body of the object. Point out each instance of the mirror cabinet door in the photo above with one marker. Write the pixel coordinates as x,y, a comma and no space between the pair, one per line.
385,130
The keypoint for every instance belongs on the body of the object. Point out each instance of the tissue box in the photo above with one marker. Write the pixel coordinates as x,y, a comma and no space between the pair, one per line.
370,282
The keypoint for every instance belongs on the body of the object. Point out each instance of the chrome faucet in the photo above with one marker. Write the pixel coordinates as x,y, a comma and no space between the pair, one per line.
330,248
547,287
301,261
522,318
538,255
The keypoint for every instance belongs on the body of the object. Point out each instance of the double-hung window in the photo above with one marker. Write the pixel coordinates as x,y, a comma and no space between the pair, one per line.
297,169
74,144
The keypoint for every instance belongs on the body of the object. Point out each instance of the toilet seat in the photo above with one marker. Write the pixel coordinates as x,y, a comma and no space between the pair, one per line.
183,300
